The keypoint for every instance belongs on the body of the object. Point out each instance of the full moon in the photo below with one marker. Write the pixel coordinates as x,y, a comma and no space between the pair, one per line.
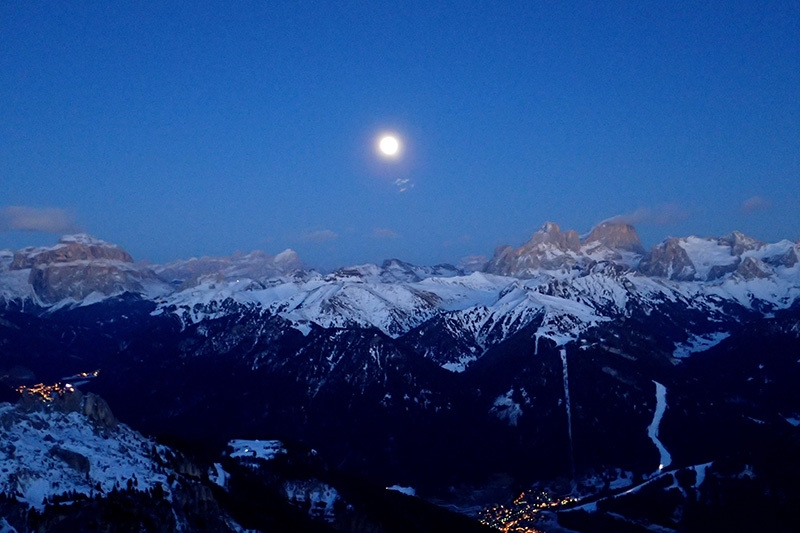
389,145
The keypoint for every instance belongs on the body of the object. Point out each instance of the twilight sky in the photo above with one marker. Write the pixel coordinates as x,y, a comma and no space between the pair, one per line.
211,127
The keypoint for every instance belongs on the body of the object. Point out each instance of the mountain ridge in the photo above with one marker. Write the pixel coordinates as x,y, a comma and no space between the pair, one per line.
588,363
78,258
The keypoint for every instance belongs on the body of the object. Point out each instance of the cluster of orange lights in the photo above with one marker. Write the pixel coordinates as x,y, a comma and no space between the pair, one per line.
520,516
48,393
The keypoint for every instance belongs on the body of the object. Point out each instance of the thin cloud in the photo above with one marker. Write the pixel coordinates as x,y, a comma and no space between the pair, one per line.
403,184
324,235
384,233
754,204
47,220
663,215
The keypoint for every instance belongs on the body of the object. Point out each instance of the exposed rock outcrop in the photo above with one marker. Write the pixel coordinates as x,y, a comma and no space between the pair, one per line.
549,248
96,409
77,280
70,248
668,260
616,237
751,268
256,265
553,249
78,266
74,459
740,243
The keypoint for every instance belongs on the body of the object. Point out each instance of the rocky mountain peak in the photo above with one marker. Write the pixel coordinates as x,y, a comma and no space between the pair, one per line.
78,266
549,248
708,259
288,260
550,233
740,243
668,260
616,237
70,248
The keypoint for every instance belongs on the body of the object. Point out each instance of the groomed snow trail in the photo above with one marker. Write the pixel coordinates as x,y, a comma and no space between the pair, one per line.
652,429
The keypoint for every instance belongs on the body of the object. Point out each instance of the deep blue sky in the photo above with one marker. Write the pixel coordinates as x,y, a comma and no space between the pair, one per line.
208,128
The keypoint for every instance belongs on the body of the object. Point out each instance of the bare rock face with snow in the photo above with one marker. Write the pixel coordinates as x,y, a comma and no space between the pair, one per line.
97,410
553,249
668,260
256,265
80,279
549,248
78,267
70,248
6,258
709,259
614,236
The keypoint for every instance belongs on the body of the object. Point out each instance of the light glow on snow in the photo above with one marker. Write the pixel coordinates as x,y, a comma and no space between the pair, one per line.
652,429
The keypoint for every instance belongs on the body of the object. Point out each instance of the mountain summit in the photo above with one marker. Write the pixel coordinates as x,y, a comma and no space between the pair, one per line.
566,358
614,236
553,249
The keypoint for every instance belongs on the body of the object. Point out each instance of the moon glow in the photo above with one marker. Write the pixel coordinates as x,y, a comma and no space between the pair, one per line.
389,145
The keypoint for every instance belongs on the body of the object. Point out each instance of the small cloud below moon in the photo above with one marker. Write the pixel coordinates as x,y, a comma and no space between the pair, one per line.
754,204
403,184
320,236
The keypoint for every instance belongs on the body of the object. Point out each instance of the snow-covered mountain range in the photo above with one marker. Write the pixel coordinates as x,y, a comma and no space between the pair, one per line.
586,358
566,283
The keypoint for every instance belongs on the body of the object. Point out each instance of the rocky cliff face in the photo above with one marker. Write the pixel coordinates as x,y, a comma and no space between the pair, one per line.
78,266
79,279
549,248
710,259
668,260
256,265
622,237
553,249
70,248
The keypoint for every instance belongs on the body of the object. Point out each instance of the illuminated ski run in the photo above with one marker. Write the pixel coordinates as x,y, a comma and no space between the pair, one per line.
652,429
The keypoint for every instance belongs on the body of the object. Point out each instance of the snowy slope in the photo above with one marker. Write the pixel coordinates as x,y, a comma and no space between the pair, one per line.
557,283
46,452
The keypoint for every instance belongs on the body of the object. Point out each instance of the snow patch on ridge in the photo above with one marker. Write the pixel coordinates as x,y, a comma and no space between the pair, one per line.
706,254
256,449
699,343
506,409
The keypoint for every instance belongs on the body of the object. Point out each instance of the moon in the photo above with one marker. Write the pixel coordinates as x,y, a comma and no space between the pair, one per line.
389,146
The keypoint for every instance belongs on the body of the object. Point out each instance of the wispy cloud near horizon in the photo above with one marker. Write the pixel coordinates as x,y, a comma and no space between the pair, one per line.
384,233
43,219
320,236
662,215
754,204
